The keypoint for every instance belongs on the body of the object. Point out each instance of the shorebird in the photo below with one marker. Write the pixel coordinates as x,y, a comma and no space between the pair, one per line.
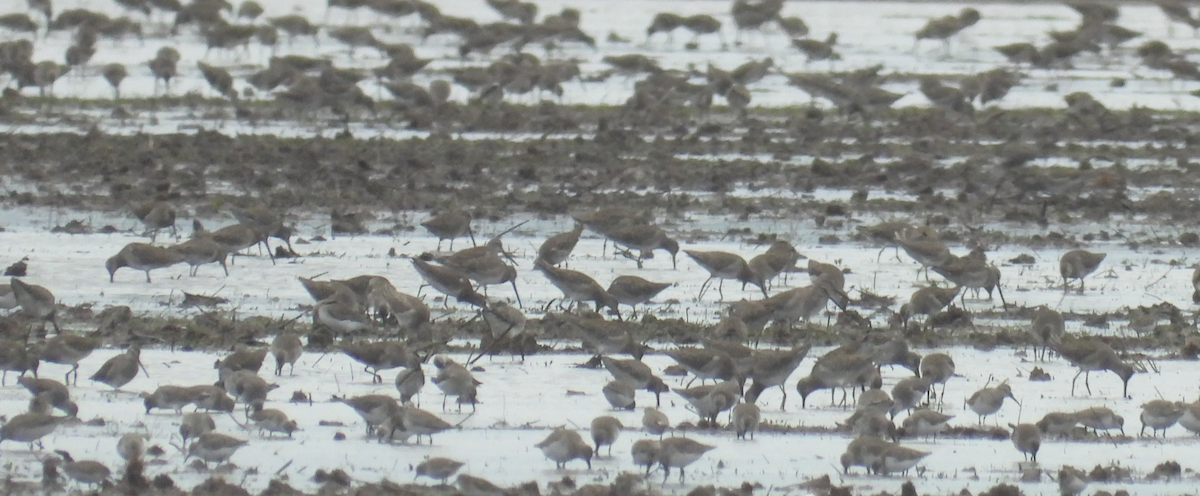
895,352
1190,419
1028,439
635,373
886,234
380,355
645,239
286,348
987,401
938,368
746,417
605,430
907,394
243,358
214,447
972,273
87,472
373,408
211,398
449,282
1100,418
438,468
450,225
409,382
633,290
577,286
408,311
121,369
864,451
1090,354
271,420
476,486
143,257
704,364
620,394
924,422
799,303
234,238
155,215
1057,424
834,370
655,421
53,393
455,380
874,400
195,424
29,428
898,458
419,423
927,301
341,313
558,247
922,246
780,258
943,28
1160,415
68,350
321,290
564,445
1071,481
1077,264
36,301
645,453
487,270
722,265
814,49
1047,327
772,368
1195,285
709,401
199,251
246,386
131,446
15,357
506,323
168,397
267,222
679,452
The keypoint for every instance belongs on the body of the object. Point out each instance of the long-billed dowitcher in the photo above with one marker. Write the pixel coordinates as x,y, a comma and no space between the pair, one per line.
1160,415
36,301
449,282
557,248
1090,354
68,350
143,257
450,225
633,290
772,368
121,369
723,265
1078,264
577,286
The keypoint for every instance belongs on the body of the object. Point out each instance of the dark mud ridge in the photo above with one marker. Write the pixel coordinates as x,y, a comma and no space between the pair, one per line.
1046,167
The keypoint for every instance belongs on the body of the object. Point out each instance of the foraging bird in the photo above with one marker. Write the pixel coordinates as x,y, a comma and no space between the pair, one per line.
143,257
564,445
1077,264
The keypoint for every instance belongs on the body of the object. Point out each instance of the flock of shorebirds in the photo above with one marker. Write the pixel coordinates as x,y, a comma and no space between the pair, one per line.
740,374
313,83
